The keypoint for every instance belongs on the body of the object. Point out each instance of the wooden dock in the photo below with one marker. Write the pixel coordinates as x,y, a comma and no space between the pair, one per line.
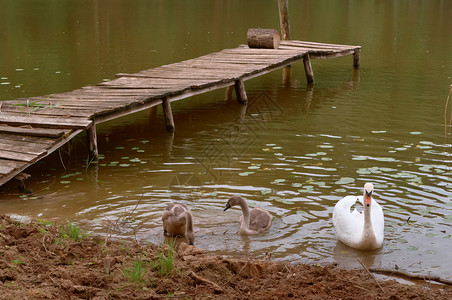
34,127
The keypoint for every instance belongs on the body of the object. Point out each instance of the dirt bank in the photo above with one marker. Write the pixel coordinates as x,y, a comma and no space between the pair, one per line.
41,261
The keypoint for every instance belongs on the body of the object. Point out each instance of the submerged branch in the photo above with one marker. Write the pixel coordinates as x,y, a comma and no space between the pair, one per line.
411,276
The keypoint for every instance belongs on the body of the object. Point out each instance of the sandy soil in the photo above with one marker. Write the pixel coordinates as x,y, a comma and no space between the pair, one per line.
38,262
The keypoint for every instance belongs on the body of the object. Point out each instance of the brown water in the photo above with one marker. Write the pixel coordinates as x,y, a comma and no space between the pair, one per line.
294,150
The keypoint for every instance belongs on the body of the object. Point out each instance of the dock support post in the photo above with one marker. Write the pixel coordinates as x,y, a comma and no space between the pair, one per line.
283,6
169,120
308,69
286,75
228,94
356,58
240,91
91,135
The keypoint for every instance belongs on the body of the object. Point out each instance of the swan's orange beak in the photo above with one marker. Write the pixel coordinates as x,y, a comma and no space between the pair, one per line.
368,198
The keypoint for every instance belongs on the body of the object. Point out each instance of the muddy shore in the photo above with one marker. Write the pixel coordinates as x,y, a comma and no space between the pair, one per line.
41,261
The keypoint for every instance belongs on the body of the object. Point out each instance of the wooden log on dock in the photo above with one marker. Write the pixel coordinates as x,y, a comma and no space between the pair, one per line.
263,38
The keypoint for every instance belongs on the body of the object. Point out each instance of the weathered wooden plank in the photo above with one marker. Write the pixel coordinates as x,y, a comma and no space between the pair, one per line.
5,154
7,166
46,132
19,139
60,111
29,149
44,122
296,42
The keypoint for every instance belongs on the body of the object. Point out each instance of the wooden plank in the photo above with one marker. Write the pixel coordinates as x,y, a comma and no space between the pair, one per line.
8,166
20,156
60,111
316,44
45,122
46,132
28,149
26,139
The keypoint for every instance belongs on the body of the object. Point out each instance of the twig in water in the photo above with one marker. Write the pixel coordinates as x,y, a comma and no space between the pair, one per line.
61,159
445,113
411,276
362,264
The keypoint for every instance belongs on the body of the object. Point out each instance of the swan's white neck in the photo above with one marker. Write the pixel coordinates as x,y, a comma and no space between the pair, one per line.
368,236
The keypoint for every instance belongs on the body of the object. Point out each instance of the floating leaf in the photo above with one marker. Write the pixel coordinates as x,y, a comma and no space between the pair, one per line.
345,180
144,141
330,169
412,248
245,173
378,131
277,148
65,182
253,167
278,154
125,157
265,192
296,184
284,201
430,235
135,160
278,181
415,132
119,148
124,165
363,171
402,241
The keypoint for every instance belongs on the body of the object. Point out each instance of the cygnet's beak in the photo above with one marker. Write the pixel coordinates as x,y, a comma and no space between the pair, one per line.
227,206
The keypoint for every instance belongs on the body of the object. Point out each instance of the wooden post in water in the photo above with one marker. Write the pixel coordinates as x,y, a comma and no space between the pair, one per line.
356,58
91,135
240,91
283,6
169,120
308,69
228,94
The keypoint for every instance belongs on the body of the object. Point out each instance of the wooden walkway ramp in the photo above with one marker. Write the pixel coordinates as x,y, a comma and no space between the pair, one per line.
34,127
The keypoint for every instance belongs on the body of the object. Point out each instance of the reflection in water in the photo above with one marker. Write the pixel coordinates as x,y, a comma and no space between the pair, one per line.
294,150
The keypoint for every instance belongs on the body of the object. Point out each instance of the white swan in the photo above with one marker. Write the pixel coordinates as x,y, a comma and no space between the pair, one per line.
251,222
363,231
177,220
